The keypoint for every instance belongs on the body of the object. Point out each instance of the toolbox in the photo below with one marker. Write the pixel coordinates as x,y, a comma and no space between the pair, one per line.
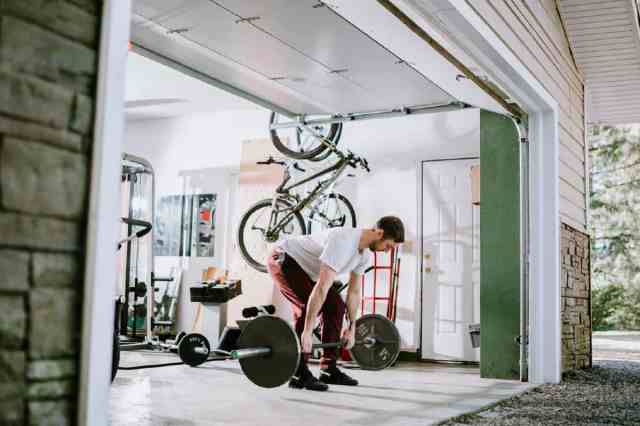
215,292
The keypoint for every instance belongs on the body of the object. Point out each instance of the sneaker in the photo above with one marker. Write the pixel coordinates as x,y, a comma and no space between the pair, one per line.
333,376
307,381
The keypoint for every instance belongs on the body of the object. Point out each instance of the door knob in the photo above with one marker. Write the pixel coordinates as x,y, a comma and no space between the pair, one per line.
427,270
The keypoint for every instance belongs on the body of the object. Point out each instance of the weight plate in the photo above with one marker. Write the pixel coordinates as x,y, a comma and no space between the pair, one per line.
187,346
115,356
387,347
277,368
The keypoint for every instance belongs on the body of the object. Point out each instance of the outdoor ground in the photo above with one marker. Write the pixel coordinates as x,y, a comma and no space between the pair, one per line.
609,393
218,394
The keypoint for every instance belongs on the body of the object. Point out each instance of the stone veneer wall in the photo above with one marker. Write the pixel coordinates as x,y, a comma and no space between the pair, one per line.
48,73
575,255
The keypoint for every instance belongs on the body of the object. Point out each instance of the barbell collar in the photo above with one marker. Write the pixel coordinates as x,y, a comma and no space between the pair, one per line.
250,352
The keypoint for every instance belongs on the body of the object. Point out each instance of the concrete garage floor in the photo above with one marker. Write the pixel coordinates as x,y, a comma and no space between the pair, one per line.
217,393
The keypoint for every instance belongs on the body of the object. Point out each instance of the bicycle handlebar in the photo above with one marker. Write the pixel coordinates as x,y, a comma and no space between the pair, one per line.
272,160
355,161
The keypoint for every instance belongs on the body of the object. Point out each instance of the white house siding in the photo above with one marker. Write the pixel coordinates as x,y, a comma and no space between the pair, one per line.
532,29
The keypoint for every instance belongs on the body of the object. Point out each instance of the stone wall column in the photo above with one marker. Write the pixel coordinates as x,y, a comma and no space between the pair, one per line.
575,281
48,76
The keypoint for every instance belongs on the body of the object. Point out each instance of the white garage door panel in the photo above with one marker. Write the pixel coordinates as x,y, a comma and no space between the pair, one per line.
216,66
339,46
325,61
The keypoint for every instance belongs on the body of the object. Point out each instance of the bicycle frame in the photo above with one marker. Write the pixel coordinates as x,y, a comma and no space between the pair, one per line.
284,192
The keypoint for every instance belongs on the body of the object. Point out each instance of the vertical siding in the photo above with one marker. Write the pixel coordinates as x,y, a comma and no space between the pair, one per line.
532,29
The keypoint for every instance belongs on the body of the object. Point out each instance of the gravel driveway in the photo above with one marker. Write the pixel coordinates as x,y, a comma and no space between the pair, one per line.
609,393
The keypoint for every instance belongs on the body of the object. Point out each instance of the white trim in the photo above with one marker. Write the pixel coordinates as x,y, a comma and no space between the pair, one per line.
98,305
544,306
587,162
417,326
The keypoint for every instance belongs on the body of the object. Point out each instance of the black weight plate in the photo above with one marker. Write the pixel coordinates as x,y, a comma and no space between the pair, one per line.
277,368
186,349
115,356
385,351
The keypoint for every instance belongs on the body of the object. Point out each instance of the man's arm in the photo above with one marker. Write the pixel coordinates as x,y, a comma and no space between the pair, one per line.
316,299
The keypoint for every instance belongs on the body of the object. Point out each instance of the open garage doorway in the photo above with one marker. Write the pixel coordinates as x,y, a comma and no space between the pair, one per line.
358,134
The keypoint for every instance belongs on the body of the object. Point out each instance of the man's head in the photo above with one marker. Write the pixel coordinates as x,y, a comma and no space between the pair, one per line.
390,232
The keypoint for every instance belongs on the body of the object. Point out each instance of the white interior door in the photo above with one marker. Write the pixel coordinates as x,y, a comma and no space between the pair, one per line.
451,261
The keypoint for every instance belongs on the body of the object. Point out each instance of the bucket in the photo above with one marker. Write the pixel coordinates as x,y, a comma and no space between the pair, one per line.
474,333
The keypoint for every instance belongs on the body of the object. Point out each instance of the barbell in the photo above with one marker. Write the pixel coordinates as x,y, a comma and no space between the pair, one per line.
269,350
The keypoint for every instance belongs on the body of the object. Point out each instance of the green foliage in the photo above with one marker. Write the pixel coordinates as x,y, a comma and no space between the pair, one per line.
606,302
614,154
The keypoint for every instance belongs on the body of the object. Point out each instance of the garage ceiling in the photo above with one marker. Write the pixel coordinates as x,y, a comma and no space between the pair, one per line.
293,56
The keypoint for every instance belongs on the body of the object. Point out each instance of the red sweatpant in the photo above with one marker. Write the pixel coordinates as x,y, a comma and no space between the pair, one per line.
296,285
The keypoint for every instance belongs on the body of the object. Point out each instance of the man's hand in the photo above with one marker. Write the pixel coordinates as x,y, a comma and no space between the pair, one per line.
348,337
306,341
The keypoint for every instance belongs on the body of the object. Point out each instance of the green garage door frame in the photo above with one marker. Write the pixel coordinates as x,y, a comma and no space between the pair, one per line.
500,246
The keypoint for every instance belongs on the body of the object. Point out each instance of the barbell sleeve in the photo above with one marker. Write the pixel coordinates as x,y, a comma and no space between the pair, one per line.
250,352
202,350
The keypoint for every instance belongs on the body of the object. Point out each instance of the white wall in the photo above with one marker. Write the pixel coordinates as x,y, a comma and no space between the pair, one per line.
206,148
395,148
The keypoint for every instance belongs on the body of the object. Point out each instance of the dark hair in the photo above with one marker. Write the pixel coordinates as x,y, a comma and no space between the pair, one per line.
392,227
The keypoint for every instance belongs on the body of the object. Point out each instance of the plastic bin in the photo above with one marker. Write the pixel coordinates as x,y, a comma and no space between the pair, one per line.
474,333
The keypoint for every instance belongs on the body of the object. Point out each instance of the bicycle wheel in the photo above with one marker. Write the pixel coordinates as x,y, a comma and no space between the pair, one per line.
324,155
253,235
300,144
331,211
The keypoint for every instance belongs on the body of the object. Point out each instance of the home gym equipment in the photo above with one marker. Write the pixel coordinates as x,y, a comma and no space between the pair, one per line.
254,311
213,298
269,350
136,305
140,287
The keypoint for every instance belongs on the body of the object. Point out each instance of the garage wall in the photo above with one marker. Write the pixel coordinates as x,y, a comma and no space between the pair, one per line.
206,148
395,148
48,61
533,31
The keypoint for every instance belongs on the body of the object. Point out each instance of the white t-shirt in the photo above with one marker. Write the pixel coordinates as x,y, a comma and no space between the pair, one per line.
335,247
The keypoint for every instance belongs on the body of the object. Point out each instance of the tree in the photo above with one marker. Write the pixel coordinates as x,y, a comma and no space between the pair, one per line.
614,153
606,303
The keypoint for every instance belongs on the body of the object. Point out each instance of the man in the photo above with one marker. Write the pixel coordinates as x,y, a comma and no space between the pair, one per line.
305,267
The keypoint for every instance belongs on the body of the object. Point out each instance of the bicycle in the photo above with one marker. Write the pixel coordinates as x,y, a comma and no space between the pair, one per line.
269,220
304,141
329,210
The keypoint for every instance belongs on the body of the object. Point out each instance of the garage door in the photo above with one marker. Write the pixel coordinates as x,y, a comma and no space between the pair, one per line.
291,56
